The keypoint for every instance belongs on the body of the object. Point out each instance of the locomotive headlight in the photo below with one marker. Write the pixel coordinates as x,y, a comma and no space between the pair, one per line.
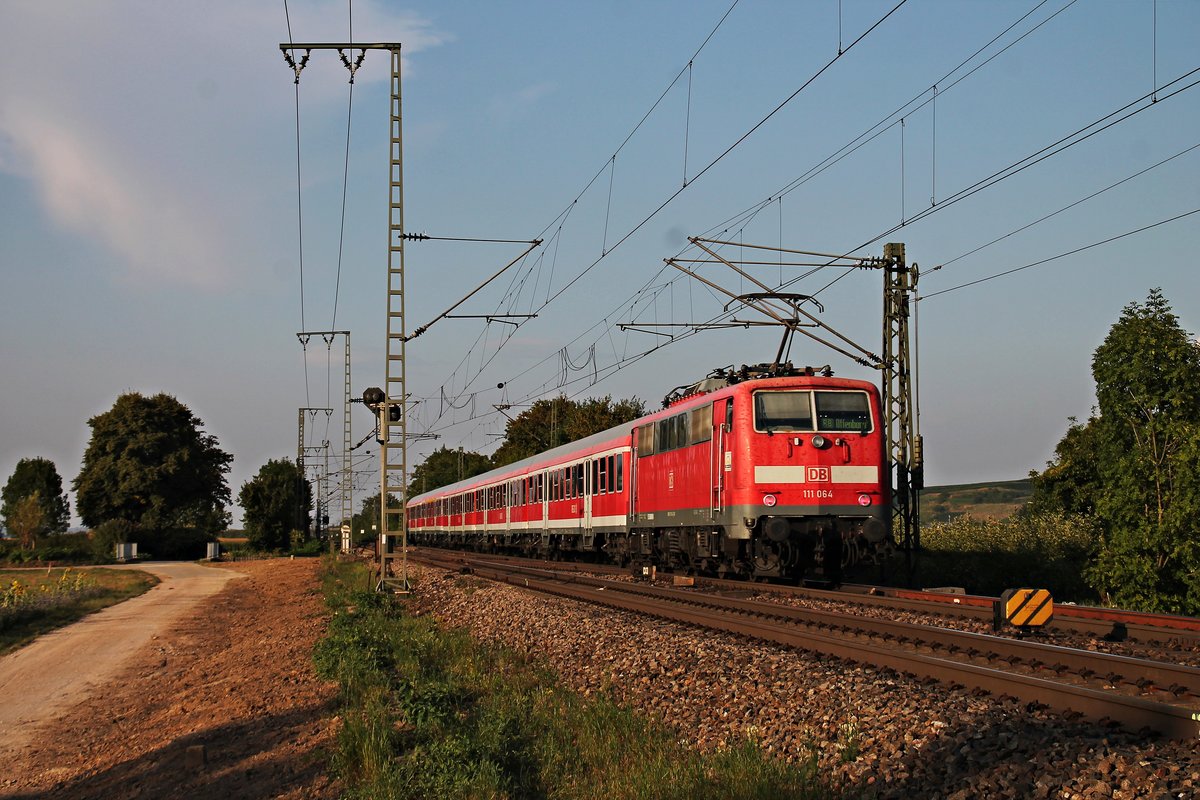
769,500
864,499
820,442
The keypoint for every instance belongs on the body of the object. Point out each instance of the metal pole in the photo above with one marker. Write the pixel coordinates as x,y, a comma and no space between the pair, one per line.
904,445
393,452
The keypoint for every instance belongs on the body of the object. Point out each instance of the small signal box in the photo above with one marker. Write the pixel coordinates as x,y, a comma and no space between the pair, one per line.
1024,608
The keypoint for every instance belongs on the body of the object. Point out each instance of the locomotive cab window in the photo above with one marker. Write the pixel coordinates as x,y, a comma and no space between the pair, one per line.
782,411
843,411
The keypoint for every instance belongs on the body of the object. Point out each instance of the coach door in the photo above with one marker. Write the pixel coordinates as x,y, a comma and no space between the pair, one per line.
720,455
589,488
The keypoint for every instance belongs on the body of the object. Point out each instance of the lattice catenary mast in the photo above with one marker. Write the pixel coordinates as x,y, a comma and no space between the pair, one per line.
393,435
345,485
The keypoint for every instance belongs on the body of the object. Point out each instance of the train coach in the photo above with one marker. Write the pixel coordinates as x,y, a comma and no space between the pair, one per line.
759,474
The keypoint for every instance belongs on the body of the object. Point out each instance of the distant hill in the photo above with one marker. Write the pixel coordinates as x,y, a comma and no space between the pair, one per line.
993,500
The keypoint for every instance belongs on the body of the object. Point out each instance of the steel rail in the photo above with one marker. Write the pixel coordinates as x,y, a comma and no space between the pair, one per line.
1134,712
1143,674
1102,623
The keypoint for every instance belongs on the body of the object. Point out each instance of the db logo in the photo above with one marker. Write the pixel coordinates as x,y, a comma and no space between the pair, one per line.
818,474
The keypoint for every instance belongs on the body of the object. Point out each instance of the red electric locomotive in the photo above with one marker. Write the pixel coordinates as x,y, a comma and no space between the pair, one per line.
739,474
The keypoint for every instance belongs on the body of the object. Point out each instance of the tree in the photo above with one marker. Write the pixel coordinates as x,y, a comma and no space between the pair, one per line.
1135,462
550,423
275,502
149,462
27,520
445,466
365,524
1071,482
37,475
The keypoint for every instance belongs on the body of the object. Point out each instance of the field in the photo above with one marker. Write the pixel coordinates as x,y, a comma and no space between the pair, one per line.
35,601
994,500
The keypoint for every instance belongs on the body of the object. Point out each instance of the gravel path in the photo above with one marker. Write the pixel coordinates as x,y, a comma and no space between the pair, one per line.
879,733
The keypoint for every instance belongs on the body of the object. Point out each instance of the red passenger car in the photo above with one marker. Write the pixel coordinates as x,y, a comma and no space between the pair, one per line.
760,477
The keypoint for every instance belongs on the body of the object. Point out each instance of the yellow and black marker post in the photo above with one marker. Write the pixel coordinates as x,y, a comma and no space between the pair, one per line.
1025,609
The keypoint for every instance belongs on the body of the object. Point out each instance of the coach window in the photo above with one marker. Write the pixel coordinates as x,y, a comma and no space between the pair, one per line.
620,471
602,475
577,471
782,411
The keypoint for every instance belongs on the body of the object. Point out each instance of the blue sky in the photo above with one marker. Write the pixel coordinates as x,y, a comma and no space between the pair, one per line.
148,203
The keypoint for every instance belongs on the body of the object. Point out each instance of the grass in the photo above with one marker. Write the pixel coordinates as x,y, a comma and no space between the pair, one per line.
431,713
37,601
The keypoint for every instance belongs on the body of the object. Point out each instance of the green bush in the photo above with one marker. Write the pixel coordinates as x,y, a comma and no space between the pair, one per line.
108,535
1046,550
313,547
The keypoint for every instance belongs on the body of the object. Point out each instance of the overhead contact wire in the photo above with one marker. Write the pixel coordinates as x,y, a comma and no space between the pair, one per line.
299,213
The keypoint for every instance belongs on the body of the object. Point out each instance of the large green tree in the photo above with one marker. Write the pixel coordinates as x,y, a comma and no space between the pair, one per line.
445,466
550,423
1136,463
149,462
37,475
274,503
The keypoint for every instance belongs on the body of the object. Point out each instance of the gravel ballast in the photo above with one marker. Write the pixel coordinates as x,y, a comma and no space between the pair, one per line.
878,733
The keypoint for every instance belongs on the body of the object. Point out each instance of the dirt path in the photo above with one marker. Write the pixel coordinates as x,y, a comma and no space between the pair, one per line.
217,699
63,667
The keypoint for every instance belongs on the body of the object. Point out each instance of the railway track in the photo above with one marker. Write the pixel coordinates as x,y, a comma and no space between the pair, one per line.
1134,692
1107,624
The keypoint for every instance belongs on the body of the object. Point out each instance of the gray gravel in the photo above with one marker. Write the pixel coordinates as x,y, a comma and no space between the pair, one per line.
879,733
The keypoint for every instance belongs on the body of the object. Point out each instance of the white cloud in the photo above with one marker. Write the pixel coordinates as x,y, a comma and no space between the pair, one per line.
159,132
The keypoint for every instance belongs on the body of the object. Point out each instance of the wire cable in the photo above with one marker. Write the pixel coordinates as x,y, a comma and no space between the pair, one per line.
299,211
1109,240
345,181
720,157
